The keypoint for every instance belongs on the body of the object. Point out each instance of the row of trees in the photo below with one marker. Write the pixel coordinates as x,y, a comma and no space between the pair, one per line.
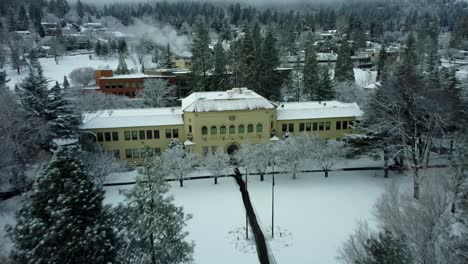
64,219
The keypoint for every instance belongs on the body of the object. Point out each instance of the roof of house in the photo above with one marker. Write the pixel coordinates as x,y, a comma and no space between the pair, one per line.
235,99
316,110
134,76
142,117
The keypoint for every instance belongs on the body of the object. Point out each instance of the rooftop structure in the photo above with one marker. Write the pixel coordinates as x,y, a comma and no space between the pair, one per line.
317,110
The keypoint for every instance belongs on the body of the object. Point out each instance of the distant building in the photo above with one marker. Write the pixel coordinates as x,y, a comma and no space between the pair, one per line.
208,121
125,85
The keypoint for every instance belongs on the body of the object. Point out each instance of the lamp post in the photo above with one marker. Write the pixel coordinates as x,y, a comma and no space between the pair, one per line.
274,139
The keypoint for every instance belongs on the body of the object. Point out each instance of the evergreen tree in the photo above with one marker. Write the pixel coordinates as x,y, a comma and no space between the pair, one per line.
11,20
344,64
219,74
381,69
248,62
80,9
149,222
311,69
201,58
23,21
168,64
269,62
98,49
3,80
122,67
122,46
410,58
33,93
63,119
325,86
61,8
66,84
387,249
64,220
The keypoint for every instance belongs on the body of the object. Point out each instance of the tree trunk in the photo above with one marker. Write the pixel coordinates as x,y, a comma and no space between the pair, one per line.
294,172
216,180
326,173
385,164
416,183
262,176
181,183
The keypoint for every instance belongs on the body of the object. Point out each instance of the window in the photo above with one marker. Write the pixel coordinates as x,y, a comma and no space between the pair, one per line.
127,94
301,127
345,124
108,86
100,137
259,128
214,130
315,126
241,129
327,126
232,129
222,130
157,151
175,133
308,126
128,153
127,85
144,152
117,154
107,136
142,134
321,126
134,135
204,130
120,85
115,136
127,135
133,85
190,128
136,153
284,127
114,85
156,134
168,133
205,151
149,134
140,85
291,127
338,125
250,128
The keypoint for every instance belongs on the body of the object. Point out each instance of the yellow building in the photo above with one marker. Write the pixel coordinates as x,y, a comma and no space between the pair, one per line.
207,121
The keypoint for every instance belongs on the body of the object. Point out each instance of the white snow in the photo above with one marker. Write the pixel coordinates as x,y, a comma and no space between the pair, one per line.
235,99
143,117
313,214
313,110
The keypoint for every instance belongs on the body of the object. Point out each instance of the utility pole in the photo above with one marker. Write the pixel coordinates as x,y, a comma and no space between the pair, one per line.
246,216
273,203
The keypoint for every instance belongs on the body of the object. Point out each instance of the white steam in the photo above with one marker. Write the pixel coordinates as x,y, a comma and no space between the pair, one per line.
161,35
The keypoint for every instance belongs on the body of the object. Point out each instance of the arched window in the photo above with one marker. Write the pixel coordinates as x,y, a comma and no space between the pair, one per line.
232,129
214,130
222,130
241,129
190,128
250,128
204,130
259,128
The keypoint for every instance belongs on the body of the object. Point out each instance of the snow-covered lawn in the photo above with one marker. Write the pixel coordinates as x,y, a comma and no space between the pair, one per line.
315,214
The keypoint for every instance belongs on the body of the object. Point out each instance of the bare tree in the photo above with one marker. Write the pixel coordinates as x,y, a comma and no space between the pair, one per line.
292,153
179,162
100,164
57,49
82,76
141,53
327,153
155,93
92,102
216,163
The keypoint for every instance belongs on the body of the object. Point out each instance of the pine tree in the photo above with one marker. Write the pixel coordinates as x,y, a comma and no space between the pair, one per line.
410,58
168,64
201,58
311,69
23,21
269,61
248,62
64,221
387,249
219,80
98,49
66,84
122,67
61,8
122,46
149,222
3,80
80,9
12,23
344,64
33,93
381,65
325,90
63,119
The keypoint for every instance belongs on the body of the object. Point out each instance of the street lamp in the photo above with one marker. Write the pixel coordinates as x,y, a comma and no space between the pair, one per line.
274,139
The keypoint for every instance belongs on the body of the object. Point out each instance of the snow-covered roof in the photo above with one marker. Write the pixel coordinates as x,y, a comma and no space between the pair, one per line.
235,99
317,110
142,117
134,76
374,85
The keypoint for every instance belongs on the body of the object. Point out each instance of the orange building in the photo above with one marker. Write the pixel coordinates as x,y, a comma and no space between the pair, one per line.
125,85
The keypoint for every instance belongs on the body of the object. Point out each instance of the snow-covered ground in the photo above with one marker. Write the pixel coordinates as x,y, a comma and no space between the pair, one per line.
313,214
67,64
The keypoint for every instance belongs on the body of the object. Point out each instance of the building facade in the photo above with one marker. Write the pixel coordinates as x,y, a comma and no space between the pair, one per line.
208,121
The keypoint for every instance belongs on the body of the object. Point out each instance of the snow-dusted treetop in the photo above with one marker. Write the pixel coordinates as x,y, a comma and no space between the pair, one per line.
235,99
313,110
132,118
